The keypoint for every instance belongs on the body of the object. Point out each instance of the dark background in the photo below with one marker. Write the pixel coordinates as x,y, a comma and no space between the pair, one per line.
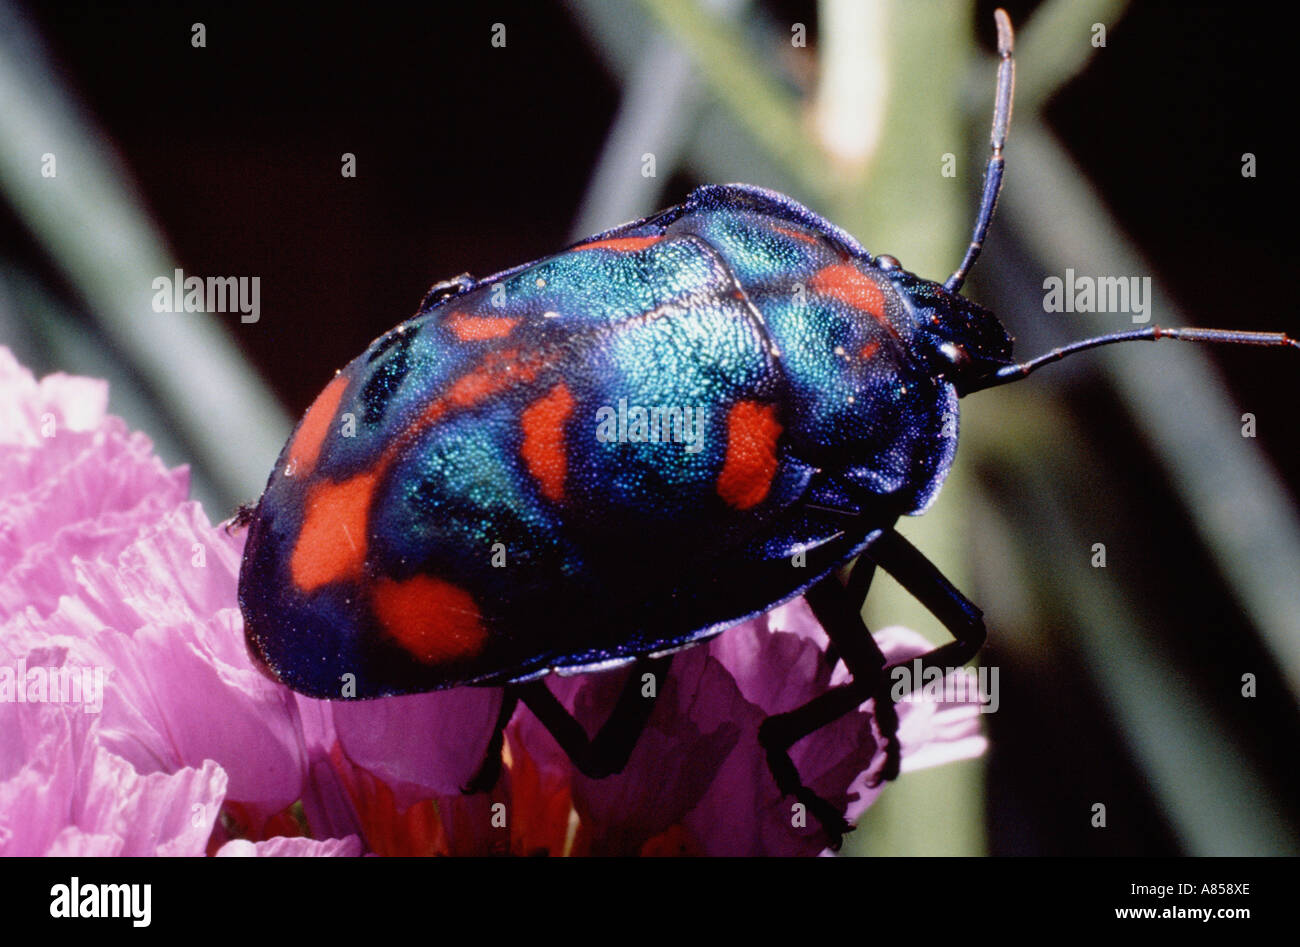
474,159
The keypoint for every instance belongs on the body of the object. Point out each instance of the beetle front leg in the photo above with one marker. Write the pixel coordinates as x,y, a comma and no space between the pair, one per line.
837,609
608,752
919,576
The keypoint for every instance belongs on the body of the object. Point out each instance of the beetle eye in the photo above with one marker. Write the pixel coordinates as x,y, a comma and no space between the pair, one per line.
887,262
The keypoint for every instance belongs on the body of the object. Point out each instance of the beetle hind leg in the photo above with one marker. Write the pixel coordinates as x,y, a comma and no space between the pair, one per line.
605,754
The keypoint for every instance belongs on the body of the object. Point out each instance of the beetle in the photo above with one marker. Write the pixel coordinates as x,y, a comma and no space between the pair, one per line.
644,433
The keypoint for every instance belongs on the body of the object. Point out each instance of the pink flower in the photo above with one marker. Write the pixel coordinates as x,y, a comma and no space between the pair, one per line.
118,587
135,723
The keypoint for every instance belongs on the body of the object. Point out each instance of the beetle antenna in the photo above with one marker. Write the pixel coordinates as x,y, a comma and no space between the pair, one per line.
1010,373
993,170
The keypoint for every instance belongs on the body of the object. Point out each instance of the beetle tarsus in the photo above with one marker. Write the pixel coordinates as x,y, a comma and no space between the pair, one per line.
886,714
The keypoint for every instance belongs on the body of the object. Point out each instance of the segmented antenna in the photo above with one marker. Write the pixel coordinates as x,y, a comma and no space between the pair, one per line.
989,200
1010,373
993,170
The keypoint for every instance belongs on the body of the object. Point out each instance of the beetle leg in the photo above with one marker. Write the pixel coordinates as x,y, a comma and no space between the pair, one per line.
445,289
859,584
919,576
924,582
608,752
860,576
839,613
781,731
489,770
838,610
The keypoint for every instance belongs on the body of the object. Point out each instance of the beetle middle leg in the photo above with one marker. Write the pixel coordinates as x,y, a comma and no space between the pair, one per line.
858,586
608,752
838,611
489,770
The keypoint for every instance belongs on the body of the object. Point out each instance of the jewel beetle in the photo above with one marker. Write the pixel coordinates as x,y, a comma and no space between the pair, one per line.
641,434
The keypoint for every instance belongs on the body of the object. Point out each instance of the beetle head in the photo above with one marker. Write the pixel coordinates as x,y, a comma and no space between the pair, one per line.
957,340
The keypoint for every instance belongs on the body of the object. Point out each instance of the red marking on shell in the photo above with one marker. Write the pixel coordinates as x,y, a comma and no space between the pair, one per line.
495,373
435,621
622,244
544,449
845,282
469,328
796,234
331,545
304,451
750,465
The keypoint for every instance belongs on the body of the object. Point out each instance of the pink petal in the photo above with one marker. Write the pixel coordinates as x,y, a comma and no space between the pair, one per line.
284,847
154,814
420,745
697,723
